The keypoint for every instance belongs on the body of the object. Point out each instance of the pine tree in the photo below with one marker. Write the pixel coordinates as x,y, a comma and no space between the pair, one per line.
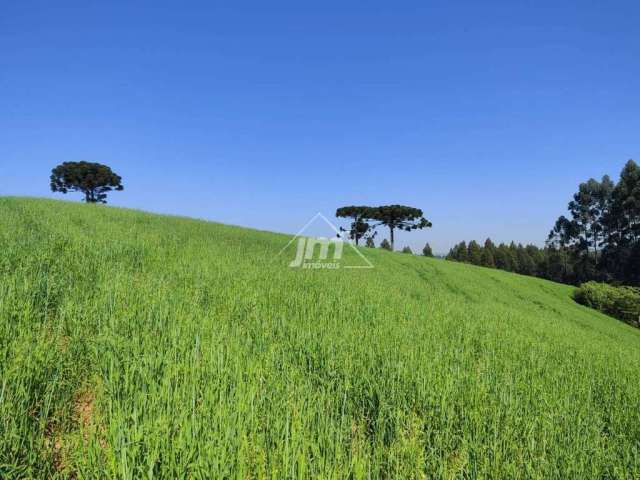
526,265
488,254
462,254
503,258
487,259
513,257
385,245
474,253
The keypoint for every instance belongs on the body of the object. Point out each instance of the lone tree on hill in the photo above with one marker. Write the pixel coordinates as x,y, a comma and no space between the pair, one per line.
426,251
399,217
92,179
359,227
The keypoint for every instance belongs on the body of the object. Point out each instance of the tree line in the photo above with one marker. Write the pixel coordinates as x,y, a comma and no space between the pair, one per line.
599,238
526,260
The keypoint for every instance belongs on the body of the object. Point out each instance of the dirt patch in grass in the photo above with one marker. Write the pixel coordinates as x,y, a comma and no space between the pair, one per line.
54,445
83,407
63,343
61,445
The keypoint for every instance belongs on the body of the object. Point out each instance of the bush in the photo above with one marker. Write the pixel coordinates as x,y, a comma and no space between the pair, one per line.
619,302
385,244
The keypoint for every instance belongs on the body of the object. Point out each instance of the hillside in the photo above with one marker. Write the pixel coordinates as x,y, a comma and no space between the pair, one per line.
135,346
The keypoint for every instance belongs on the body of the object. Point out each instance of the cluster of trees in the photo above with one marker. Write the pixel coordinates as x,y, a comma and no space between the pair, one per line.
598,240
365,219
601,236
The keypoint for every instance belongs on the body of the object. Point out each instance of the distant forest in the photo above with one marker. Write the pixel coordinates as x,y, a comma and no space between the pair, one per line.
599,238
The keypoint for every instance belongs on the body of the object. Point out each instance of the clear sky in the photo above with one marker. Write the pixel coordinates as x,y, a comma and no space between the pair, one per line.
484,114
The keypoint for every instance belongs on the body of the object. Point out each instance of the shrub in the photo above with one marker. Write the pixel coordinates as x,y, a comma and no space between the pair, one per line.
386,245
619,302
407,250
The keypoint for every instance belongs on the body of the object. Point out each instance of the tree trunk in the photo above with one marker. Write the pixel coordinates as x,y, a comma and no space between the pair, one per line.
90,196
391,235
356,225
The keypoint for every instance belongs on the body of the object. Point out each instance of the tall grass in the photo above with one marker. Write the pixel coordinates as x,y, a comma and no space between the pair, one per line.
142,346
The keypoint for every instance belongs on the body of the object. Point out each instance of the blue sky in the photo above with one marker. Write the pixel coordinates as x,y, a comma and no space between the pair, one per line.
484,114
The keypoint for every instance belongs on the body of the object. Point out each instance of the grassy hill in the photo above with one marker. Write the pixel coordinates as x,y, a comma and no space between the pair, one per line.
136,346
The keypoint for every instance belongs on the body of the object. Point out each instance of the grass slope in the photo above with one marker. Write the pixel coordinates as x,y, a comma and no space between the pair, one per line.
141,346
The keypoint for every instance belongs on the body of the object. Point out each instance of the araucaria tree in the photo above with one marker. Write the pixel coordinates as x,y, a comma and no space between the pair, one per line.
395,217
94,180
399,217
359,227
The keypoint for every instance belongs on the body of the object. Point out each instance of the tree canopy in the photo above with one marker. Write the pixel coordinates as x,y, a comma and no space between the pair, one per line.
94,180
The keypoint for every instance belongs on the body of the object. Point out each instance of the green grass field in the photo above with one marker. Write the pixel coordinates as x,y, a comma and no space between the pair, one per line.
142,346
